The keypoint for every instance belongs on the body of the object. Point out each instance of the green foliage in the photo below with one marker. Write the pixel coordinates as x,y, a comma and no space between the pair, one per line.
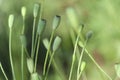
102,50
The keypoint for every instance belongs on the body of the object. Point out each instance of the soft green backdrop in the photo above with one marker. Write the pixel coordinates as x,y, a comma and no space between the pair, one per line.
100,16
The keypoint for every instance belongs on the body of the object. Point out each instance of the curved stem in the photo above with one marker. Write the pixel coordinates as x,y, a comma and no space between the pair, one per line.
36,39
80,60
97,65
33,34
73,57
10,54
46,58
3,72
49,65
37,53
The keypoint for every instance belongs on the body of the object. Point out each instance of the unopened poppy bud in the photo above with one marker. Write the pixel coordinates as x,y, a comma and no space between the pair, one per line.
41,26
56,22
10,20
36,9
35,76
89,35
117,69
83,65
46,43
30,65
23,11
56,43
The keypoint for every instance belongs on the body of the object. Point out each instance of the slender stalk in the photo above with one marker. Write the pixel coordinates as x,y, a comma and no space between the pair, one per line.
46,58
80,60
22,52
10,54
27,54
72,34
36,38
36,57
33,34
22,62
73,57
49,64
97,64
58,70
3,72
73,60
79,75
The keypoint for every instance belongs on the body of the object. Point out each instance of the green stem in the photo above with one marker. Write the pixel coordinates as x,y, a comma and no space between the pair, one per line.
27,54
80,60
10,54
3,72
22,62
22,52
36,38
58,70
73,60
46,58
73,57
37,53
97,65
49,65
33,34
72,34
79,75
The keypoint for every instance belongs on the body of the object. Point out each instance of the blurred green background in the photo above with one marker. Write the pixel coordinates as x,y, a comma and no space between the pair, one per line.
100,16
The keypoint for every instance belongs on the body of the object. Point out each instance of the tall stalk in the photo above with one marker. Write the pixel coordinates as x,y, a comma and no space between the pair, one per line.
11,19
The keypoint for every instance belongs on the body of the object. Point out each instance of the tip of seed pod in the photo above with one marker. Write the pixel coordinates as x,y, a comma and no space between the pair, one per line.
35,76
81,44
83,65
89,34
117,69
23,11
56,43
46,43
71,14
36,9
56,22
41,26
30,65
10,20
81,26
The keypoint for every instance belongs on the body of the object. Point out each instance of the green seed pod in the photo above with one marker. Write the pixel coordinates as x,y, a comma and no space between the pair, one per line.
56,22
41,26
10,20
117,69
23,11
81,26
23,40
81,44
56,43
83,65
89,35
72,17
46,43
36,9
35,76
30,65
